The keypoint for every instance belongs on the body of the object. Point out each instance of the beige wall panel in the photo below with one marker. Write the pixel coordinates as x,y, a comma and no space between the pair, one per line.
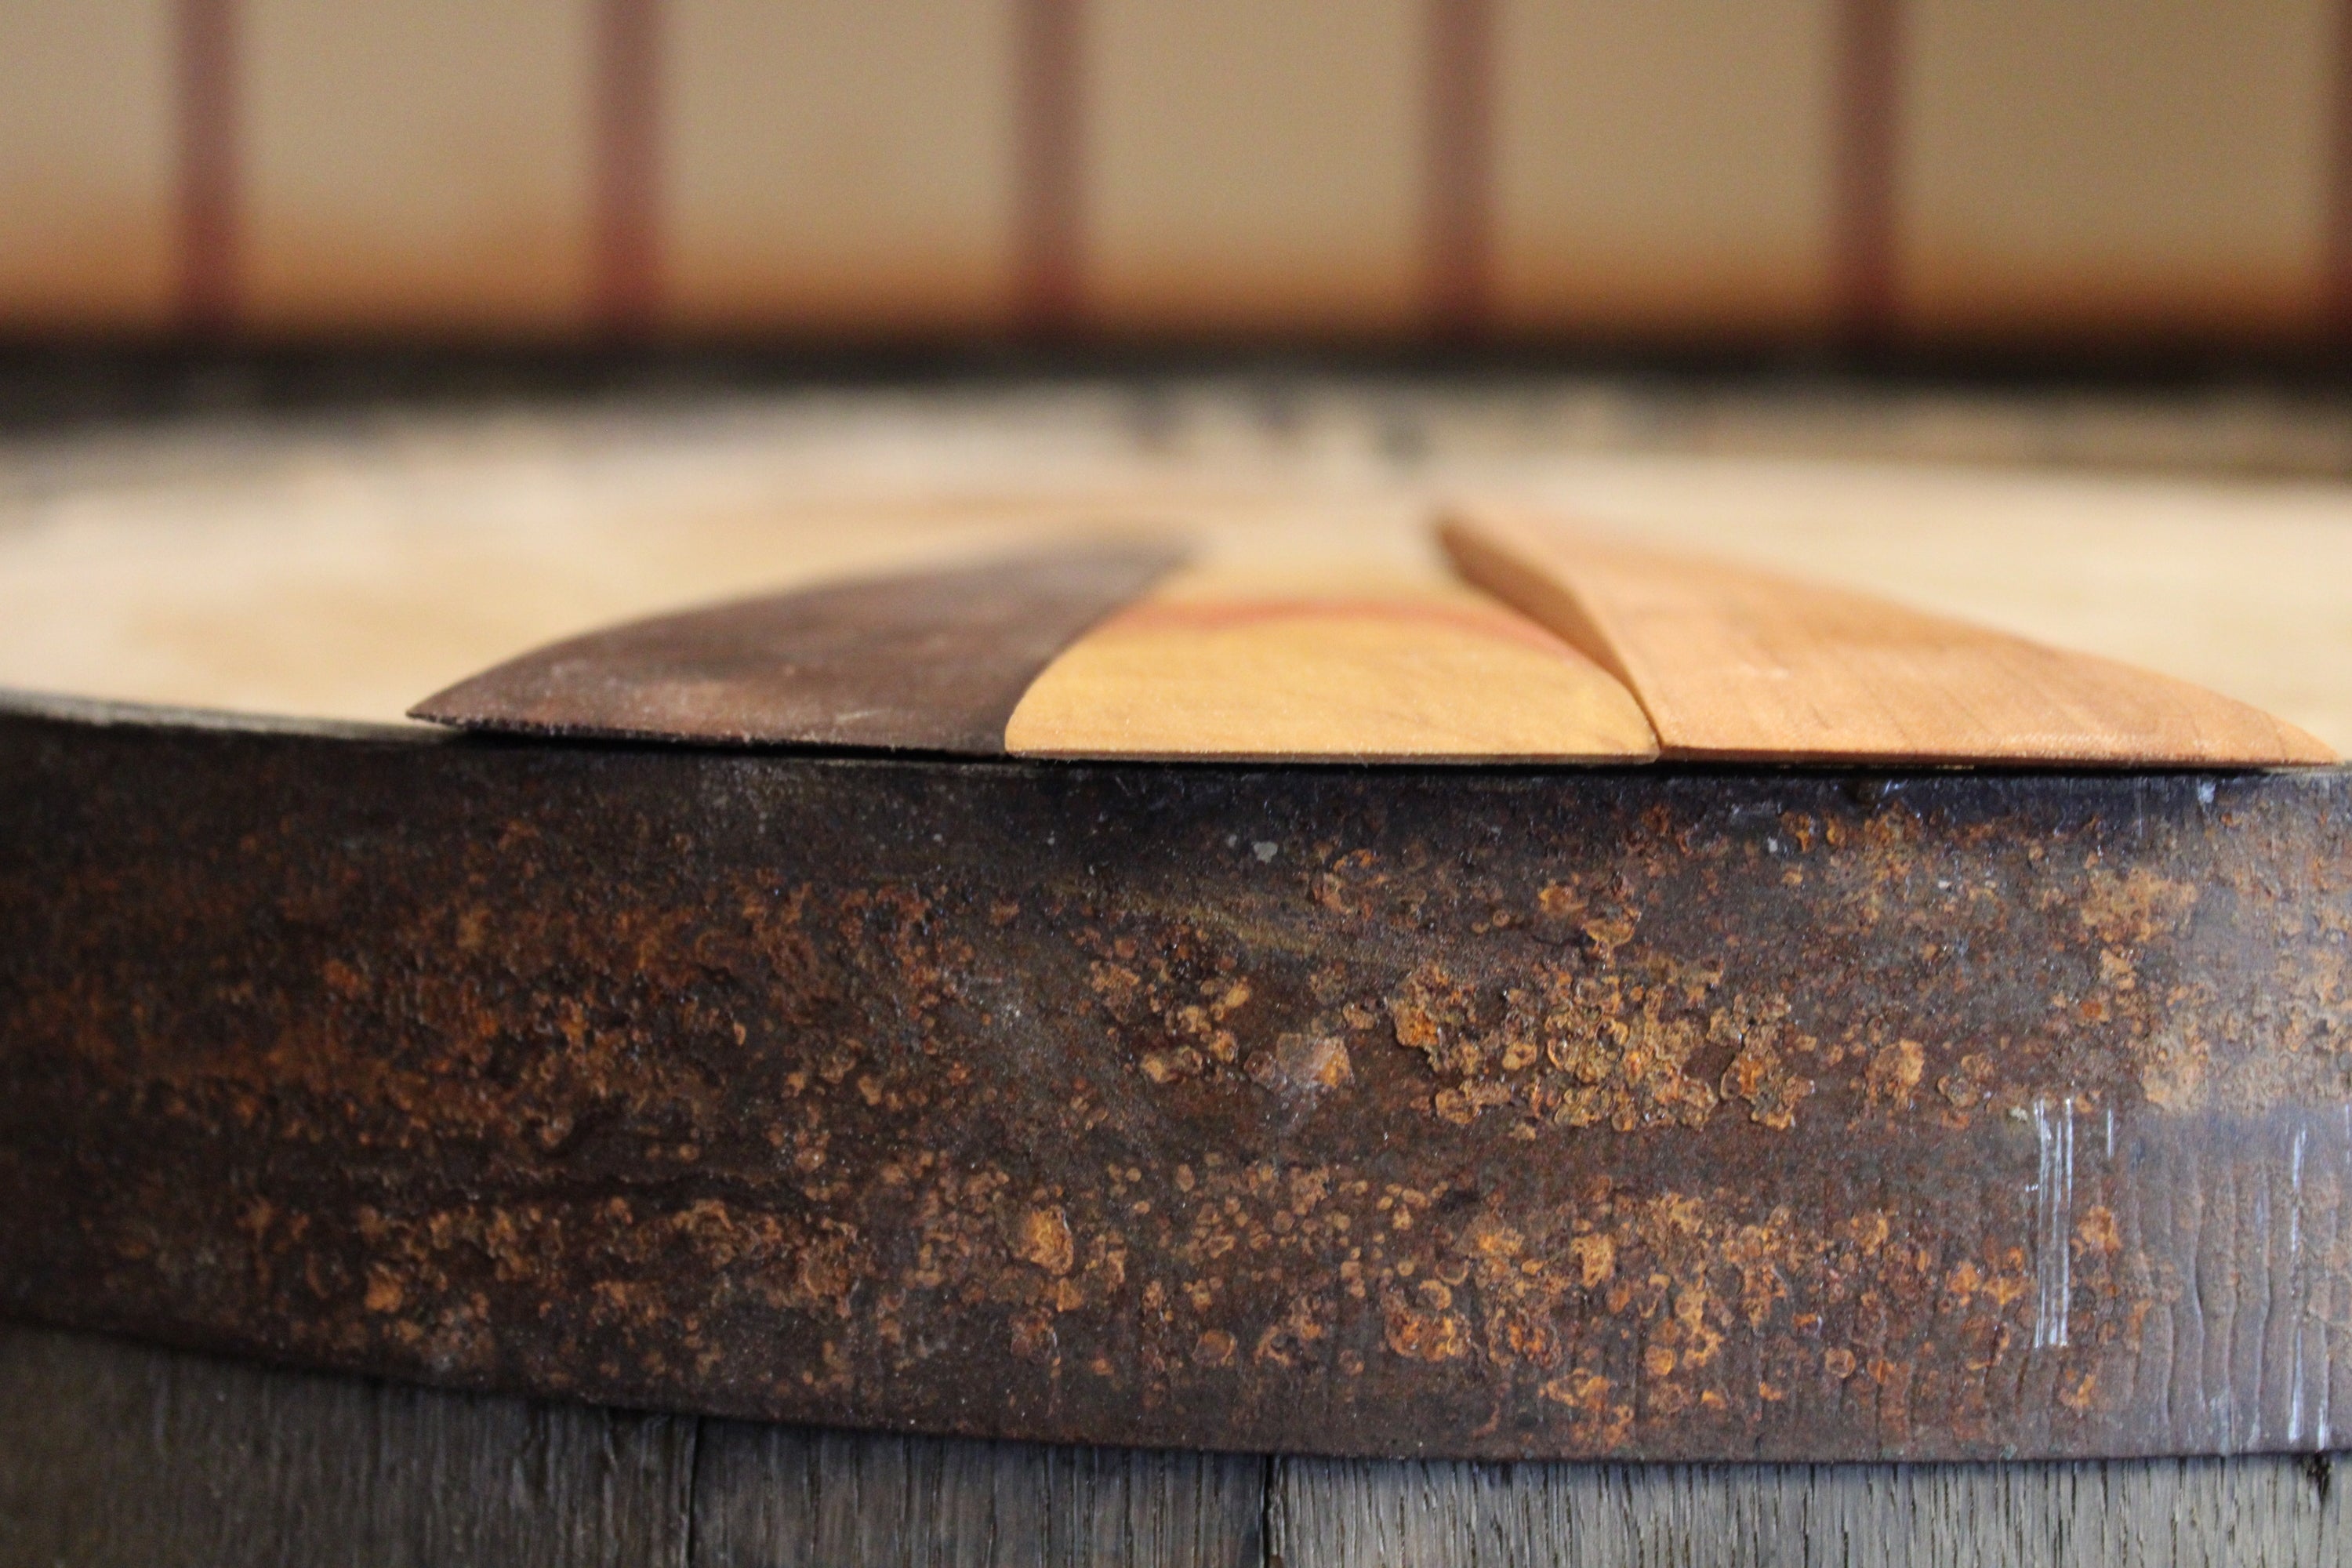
1663,167
841,165
418,164
2114,164
88,165
1254,163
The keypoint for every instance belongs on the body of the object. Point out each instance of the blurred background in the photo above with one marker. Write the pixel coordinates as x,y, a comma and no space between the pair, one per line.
2082,183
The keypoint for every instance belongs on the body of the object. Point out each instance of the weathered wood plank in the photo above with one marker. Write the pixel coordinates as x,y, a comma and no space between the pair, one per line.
112,1453
771,1496
115,1453
2283,1512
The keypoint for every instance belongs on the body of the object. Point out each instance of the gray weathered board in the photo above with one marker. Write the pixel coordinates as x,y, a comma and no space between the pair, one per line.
113,1453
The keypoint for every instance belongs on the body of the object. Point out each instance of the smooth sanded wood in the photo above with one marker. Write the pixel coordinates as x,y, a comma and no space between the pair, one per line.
1734,663
927,661
1336,664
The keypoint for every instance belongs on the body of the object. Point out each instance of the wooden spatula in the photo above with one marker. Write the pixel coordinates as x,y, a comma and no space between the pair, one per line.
1334,664
1730,662
930,661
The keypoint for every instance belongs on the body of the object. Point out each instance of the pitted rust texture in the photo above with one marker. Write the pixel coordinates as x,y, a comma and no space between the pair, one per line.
1674,1113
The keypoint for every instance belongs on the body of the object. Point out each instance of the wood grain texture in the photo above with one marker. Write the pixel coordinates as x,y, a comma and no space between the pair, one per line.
117,1453
929,661
781,1496
1734,663
2198,1513
113,1453
1325,664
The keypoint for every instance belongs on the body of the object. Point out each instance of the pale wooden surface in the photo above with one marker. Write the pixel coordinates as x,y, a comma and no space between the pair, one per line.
1733,663
1327,662
112,1454
347,568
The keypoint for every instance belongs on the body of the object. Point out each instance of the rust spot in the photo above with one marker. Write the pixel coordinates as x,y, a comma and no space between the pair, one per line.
1895,1072
1423,1335
2096,1230
1770,1086
1967,1086
2129,910
1304,1064
385,1291
1046,1240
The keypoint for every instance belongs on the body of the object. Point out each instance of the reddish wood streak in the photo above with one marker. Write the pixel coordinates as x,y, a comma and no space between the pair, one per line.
627,218
208,237
1867,127
1459,204
1051,132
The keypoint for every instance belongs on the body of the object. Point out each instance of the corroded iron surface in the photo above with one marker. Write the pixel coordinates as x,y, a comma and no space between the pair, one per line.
1659,1112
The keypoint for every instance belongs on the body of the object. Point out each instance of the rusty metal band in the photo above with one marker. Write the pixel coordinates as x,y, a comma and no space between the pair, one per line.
1671,1113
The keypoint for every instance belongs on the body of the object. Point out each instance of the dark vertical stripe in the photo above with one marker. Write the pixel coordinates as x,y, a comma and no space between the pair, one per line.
2336,282
208,235
1052,165
1869,65
627,218
1459,199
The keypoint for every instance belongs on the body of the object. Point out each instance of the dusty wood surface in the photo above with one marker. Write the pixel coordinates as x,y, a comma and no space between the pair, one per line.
1326,664
112,1453
1736,664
